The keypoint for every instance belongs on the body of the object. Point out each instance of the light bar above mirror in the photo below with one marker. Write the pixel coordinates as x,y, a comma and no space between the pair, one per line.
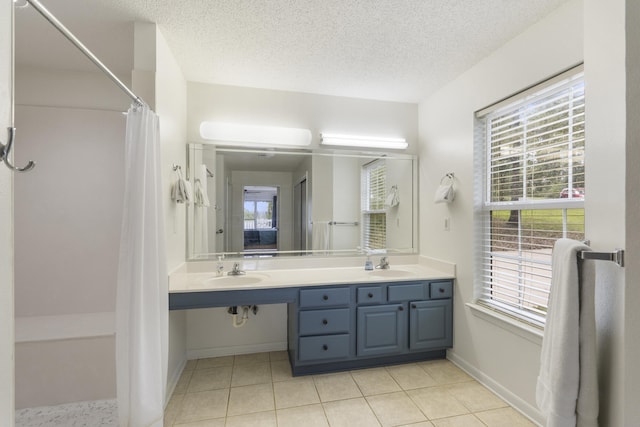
363,141
254,136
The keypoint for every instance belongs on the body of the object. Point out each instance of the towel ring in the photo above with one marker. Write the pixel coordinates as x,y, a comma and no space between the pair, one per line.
449,176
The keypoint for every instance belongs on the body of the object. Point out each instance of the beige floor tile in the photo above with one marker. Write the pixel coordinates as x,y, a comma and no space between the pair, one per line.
210,379
191,365
203,405
244,359
504,417
252,373
214,362
411,376
281,371
250,399
395,409
350,413
183,382
297,392
375,381
276,356
218,422
307,416
444,372
475,397
260,419
422,424
468,420
336,387
172,409
436,402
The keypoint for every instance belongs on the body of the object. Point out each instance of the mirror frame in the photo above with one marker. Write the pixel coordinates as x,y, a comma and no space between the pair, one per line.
340,153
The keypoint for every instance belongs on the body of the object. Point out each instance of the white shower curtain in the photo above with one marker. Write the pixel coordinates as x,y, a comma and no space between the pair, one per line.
142,292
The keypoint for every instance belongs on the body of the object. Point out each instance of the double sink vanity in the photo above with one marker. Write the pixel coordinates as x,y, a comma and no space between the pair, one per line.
341,317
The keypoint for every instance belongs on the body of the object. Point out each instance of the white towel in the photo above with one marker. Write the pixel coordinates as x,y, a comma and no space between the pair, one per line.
181,191
320,236
393,199
445,192
567,388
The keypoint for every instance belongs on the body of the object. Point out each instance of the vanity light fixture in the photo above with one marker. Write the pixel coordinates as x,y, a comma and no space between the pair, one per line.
251,135
363,141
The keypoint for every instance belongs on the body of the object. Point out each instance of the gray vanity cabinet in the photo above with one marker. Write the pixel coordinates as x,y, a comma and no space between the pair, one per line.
348,327
381,330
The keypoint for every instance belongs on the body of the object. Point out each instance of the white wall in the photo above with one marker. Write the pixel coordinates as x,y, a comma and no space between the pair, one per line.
318,113
159,80
631,384
506,361
6,228
604,56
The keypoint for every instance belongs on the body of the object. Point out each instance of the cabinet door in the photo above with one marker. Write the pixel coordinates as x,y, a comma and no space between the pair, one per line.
381,329
430,325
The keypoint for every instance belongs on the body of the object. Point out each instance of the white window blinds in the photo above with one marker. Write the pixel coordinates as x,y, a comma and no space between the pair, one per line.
533,193
374,217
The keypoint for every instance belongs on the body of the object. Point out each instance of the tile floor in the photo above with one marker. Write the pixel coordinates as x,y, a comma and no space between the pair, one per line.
258,390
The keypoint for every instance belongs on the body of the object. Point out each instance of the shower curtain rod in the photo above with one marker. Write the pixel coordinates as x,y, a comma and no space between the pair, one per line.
77,43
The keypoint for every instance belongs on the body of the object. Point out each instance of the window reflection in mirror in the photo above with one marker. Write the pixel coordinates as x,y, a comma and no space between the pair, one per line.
272,202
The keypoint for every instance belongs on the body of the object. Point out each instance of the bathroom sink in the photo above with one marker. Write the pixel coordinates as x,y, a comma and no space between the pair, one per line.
246,279
392,273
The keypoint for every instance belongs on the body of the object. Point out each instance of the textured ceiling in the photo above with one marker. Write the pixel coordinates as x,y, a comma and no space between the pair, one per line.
399,50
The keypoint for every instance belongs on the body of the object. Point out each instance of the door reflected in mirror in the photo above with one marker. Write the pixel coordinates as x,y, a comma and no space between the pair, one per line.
275,202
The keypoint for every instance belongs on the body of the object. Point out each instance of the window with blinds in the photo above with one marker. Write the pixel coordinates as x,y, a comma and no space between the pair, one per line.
374,217
532,177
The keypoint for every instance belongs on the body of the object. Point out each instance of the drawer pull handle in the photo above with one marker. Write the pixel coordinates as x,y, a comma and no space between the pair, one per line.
325,321
325,297
370,295
401,308
325,347
442,290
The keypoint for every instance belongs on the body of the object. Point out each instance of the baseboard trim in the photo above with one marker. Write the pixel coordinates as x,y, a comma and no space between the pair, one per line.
201,353
172,381
520,405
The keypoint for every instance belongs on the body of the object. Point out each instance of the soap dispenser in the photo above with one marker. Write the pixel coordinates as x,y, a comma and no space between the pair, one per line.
368,265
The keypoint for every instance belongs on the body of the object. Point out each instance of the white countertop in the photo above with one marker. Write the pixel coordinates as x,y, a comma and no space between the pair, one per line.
205,281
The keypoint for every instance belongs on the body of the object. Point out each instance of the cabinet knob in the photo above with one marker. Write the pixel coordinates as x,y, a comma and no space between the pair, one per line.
325,297
370,295
325,347
325,321
401,308
441,290
413,306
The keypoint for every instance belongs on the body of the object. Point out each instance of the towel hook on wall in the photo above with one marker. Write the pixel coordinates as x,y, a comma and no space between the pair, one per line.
5,150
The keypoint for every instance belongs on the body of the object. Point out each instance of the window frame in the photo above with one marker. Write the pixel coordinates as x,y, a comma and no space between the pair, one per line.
367,212
485,287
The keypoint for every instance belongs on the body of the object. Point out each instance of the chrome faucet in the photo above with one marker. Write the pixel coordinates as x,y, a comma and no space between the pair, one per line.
235,271
384,264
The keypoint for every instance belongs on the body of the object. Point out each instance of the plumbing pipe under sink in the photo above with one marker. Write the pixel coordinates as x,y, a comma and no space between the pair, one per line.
245,315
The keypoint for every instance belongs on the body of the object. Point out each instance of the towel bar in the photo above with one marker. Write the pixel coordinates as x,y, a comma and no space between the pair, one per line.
343,223
616,256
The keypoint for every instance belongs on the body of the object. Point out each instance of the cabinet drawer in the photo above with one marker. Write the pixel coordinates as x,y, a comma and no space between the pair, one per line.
371,295
439,290
407,292
324,347
324,297
318,322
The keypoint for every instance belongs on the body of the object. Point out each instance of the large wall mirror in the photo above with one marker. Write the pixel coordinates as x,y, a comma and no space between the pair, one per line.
274,202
